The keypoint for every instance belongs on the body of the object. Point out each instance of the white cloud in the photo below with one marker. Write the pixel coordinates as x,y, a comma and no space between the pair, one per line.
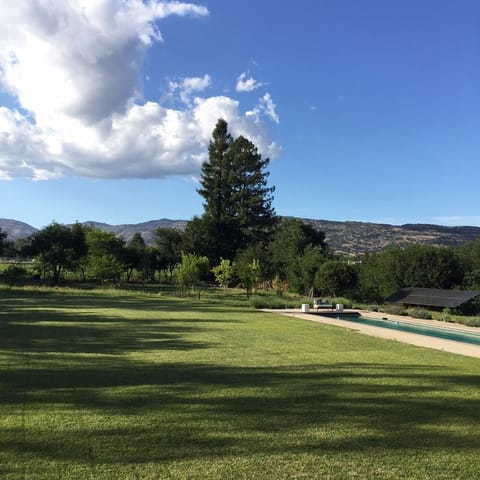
148,141
74,67
187,86
78,58
245,84
265,106
269,107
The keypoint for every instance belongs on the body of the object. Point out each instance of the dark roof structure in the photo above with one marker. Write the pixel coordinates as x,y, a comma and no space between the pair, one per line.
432,297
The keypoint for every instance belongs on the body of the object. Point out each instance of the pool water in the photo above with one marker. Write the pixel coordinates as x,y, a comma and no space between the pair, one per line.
438,332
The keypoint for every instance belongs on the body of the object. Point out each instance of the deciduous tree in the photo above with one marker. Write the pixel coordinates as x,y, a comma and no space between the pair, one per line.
297,251
224,272
58,247
191,270
336,278
106,255
3,236
169,249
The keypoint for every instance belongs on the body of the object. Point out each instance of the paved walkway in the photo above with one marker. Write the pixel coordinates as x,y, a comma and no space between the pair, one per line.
419,340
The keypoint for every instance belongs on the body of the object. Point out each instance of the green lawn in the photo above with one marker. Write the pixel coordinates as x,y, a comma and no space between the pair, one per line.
141,386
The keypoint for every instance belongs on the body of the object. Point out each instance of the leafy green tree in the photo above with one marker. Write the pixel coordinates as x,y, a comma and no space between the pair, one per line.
134,254
430,267
3,236
100,243
22,249
468,256
297,251
191,270
369,283
380,274
426,266
303,271
79,237
106,268
471,280
224,272
249,269
106,256
149,264
336,278
169,249
237,199
58,247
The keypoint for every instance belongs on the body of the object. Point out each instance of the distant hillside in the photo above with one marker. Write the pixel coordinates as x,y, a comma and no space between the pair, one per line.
146,229
349,238
16,229
360,237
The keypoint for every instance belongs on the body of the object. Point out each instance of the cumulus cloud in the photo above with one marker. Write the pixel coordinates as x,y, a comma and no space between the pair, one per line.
245,84
73,68
78,58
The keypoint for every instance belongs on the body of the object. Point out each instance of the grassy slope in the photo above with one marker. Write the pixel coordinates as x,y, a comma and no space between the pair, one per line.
119,386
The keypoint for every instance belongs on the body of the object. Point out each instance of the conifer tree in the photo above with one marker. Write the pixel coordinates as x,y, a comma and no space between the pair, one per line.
237,199
251,196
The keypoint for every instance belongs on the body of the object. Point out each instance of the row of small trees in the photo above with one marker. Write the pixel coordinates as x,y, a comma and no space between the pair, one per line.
86,253
83,253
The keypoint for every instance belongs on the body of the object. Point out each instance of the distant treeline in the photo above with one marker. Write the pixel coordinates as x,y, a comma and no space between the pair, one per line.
295,258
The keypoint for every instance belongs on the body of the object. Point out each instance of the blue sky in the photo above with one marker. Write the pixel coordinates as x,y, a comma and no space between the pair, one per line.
368,109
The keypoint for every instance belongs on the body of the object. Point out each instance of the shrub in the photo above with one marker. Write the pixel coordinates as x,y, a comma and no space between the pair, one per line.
347,303
395,310
273,302
14,275
279,286
421,313
472,322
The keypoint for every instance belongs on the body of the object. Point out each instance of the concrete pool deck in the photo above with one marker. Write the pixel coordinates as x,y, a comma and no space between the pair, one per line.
416,339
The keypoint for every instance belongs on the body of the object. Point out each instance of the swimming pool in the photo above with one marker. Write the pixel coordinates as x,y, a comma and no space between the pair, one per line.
438,332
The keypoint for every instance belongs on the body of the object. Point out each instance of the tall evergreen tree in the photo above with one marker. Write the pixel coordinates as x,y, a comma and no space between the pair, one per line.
215,179
251,196
216,226
237,200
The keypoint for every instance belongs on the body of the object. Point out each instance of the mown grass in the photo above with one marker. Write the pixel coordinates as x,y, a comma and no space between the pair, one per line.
118,385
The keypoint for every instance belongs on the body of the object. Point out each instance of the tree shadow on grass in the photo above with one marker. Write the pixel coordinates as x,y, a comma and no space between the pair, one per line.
17,300
108,408
97,325
96,335
183,411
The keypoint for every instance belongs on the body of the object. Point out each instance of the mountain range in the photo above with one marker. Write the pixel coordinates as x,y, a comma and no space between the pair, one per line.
350,238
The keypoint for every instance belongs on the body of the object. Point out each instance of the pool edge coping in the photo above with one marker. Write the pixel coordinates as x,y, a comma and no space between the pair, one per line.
417,339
